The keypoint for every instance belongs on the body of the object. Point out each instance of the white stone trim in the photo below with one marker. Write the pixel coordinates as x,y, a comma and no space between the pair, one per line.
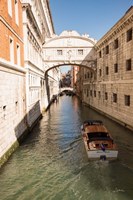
9,65
7,25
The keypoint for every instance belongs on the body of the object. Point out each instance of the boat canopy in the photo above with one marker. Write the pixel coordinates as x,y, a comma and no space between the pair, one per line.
93,122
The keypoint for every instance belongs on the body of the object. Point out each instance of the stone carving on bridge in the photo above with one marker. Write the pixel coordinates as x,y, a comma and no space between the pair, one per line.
69,42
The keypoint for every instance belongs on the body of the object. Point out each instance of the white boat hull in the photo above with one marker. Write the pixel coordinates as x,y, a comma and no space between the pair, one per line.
108,154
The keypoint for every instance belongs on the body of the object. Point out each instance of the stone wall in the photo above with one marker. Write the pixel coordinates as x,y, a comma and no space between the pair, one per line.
12,107
110,89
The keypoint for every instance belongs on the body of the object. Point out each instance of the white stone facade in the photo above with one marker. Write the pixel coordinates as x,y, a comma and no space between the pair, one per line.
37,26
12,105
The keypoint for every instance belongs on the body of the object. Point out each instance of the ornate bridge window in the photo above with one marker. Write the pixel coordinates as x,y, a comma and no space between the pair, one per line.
59,52
80,52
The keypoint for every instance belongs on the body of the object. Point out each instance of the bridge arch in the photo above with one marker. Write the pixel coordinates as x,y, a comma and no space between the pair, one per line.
69,48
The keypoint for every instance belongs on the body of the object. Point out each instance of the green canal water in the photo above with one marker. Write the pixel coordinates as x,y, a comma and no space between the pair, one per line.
52,163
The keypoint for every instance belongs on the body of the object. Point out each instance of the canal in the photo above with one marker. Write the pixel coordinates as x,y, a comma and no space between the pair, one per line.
52,164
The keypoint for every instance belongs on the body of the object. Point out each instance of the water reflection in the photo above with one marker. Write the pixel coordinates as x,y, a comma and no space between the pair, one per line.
52,163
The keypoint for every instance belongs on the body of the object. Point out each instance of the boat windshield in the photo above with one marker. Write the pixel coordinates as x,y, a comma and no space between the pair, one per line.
98,135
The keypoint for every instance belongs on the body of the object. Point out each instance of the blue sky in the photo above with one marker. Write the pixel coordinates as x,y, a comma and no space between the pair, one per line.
94,17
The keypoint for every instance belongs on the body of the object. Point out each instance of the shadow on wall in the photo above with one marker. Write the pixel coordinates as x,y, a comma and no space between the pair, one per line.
28,122
21,130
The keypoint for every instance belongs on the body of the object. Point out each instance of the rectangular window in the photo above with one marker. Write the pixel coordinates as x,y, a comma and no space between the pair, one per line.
100,72
116,44
59,52
80,52
100,54
107,49
107,70
16,12
87,93
18,55
115,68
90,92
127,100
9,2
85,76
94,93
129,35
99,94
128,65
114,97
106,96
11,50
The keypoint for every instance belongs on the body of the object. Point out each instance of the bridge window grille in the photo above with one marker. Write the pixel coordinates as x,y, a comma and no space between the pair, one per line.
128,65
59,52
115,67
80,52
129,35
127,100
116,44
114,97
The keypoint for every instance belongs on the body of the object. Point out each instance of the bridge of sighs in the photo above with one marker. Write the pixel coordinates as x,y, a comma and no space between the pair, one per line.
69,48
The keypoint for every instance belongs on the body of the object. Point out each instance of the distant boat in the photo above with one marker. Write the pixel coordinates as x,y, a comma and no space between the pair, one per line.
98,142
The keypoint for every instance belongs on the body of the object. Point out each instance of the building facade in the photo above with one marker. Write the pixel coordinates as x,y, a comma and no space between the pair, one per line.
37,27
110,88
12,78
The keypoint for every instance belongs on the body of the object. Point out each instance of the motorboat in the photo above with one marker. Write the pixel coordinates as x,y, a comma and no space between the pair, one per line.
98,142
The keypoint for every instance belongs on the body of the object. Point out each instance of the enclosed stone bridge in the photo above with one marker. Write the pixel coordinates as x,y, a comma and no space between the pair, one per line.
66,89
69,48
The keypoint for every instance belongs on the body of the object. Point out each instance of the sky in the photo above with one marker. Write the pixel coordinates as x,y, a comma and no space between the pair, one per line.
92,17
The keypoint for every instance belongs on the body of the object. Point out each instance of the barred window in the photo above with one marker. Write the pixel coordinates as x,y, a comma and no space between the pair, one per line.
100,72
107,70
116,43
129,35
100,54
114,97
106,96
127,100
115,68
94,93
128,65
99,94
107,49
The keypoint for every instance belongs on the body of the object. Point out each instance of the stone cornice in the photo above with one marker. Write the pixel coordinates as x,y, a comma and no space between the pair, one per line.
9,65
117,28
